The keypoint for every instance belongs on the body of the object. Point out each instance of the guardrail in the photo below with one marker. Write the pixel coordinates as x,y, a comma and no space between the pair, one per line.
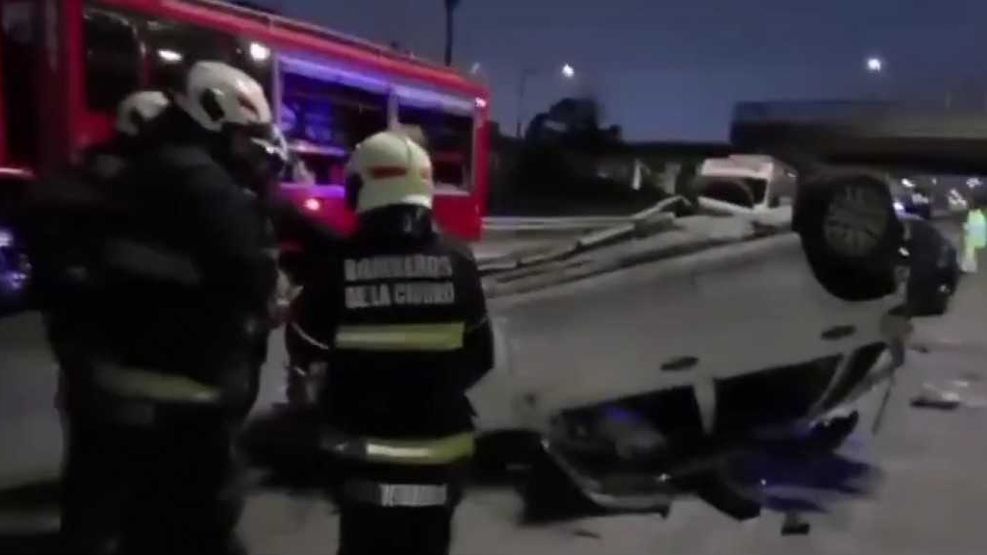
565,223
562,223
521,224
643,222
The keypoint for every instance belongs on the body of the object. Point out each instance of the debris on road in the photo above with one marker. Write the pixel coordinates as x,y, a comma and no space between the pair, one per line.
925,345
583,533
920,348
795,525
932,402
952,394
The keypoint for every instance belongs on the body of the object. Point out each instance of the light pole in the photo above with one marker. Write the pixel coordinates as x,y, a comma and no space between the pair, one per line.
451,6
567,72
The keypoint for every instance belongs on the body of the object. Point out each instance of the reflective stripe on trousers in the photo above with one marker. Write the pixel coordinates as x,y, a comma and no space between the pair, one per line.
397,495
401,452
402,337
135,383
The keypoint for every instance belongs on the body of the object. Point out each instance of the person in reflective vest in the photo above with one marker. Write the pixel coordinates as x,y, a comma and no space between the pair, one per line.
398,323
974,239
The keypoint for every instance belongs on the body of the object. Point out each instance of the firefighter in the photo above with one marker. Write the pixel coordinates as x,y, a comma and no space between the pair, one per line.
70,204
69,214
134,124
398,322
168,362
64,217
974,239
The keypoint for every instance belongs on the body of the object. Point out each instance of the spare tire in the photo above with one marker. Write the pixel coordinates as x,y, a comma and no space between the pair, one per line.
850,233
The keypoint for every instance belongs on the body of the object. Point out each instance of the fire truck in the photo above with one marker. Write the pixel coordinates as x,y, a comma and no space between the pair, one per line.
66,64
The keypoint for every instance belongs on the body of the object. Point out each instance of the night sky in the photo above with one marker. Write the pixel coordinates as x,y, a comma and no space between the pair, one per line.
672,70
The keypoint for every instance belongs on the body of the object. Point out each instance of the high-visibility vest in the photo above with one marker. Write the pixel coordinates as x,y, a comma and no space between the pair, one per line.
976,228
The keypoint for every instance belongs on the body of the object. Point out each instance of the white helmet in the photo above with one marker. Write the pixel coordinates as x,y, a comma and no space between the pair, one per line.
392,170
138,109
216,94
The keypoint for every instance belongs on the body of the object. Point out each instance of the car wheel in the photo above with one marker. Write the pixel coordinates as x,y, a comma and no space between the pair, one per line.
849,233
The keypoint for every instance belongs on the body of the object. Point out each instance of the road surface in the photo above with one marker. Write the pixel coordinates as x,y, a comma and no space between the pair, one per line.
931,501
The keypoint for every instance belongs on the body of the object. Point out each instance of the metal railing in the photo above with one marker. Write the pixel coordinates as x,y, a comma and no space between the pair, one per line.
514,223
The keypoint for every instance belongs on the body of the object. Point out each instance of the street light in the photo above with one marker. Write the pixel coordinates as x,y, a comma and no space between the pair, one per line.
875,64
568,72
170,56
259,52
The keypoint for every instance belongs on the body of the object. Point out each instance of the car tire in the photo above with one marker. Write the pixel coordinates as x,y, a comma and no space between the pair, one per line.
861,264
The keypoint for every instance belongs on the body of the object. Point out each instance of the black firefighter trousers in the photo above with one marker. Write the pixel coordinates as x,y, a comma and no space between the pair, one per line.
368,528
164,486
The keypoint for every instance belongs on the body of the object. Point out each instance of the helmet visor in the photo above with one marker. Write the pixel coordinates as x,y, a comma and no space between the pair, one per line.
262,152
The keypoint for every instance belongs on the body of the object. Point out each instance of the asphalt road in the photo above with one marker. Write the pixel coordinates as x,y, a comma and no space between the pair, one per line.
932,498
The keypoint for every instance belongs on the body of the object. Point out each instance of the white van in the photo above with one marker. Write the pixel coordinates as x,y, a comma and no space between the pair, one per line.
751,182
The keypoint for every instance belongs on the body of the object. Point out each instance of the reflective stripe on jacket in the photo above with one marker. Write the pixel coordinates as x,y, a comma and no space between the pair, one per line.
401,452
392,337
134,383
402,337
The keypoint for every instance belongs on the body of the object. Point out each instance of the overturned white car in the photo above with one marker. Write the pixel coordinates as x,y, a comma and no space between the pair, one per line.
643,364
643,361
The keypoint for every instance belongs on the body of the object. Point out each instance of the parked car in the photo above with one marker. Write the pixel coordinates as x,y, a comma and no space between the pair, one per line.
15,273
756,182
956,202
910,198
934,267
